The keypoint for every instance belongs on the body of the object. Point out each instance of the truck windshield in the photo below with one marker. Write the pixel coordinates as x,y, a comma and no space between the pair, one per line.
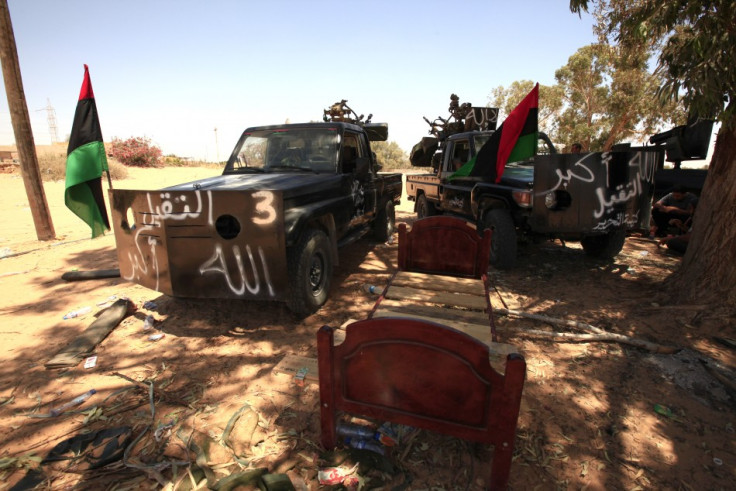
285,150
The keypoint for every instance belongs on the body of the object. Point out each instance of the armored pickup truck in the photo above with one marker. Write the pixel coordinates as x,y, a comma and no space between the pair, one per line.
593,198
270,226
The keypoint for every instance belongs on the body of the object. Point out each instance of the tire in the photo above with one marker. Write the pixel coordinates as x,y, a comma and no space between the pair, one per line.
385,224
424,208
503,238
604,246
309,266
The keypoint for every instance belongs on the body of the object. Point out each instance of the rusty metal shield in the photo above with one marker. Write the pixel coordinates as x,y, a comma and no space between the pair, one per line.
202,243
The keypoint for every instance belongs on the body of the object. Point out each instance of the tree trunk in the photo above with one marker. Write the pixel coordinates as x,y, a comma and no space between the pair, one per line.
708,271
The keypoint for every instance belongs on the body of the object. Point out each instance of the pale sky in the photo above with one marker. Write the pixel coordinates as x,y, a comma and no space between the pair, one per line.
173,71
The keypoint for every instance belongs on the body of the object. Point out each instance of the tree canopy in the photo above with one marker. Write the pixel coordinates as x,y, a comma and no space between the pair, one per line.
390,155
697,43
604,95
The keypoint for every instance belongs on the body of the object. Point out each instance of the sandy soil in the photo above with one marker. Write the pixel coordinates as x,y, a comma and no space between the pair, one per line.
588,418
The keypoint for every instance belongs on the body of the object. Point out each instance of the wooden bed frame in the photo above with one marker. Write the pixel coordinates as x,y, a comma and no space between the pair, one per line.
425,375
444,245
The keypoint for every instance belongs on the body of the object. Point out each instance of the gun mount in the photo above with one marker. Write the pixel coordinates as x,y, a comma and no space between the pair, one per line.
342,113
463,118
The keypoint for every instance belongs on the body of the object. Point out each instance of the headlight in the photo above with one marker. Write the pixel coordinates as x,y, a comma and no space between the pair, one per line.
550,200
558,200
522,198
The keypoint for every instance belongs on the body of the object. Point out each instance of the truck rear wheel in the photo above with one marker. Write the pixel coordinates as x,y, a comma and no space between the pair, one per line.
310,272
503,238
385,223
424,208
604,246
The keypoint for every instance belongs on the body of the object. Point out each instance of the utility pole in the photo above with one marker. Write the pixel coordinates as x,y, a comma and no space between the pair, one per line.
51,118
217,147
22,128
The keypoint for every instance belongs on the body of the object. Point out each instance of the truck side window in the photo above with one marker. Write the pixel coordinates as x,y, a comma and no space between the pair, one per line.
350,151
460,155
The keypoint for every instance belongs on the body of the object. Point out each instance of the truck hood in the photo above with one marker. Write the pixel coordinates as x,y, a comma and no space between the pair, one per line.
290,183
518,176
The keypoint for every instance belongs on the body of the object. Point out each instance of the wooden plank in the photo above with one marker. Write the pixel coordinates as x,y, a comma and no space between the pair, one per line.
479,332
439,313
83,344
435,282
454,299
90,275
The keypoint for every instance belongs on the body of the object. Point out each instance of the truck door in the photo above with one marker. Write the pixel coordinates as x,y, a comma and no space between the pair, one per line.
454,194
359,177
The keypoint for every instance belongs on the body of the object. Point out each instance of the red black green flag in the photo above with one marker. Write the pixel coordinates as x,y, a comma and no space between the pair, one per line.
85,161
513,141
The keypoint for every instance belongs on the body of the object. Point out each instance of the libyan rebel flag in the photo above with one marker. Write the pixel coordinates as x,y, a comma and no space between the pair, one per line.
513,141
85,161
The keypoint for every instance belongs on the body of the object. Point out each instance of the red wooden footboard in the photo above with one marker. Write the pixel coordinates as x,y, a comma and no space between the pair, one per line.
424,375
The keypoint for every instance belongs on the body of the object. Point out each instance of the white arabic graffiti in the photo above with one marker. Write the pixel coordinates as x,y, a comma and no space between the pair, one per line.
646,167
217,264
165,211
622,194
622,219
138,263
145,236
358,194
457,202
564,177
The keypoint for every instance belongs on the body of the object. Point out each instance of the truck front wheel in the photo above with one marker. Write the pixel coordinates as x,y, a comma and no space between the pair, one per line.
385,223
604,246
310,271
503,238
424,208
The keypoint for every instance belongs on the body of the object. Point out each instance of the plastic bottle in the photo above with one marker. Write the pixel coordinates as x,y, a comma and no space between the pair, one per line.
365,444
148,323
74,402
77,313
355,431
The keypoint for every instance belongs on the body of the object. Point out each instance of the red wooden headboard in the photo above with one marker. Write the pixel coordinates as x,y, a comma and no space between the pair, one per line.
424,375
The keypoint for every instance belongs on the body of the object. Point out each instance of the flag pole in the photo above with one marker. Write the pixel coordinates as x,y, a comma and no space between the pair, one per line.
109,181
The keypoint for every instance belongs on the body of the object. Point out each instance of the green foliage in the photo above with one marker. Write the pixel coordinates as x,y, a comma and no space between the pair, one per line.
604,95
136,151
390,155
697,44
52,167
172,160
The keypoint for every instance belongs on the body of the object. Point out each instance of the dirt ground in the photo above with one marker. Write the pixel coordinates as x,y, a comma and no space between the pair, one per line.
588,418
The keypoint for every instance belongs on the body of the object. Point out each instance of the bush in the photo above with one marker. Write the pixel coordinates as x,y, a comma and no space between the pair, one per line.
136,152
52,167
390,155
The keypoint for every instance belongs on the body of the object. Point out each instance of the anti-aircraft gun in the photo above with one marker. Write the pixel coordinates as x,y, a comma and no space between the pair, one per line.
340,112
463,118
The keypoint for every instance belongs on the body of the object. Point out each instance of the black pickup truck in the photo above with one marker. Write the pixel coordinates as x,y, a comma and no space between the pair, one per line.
593,198
270,226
